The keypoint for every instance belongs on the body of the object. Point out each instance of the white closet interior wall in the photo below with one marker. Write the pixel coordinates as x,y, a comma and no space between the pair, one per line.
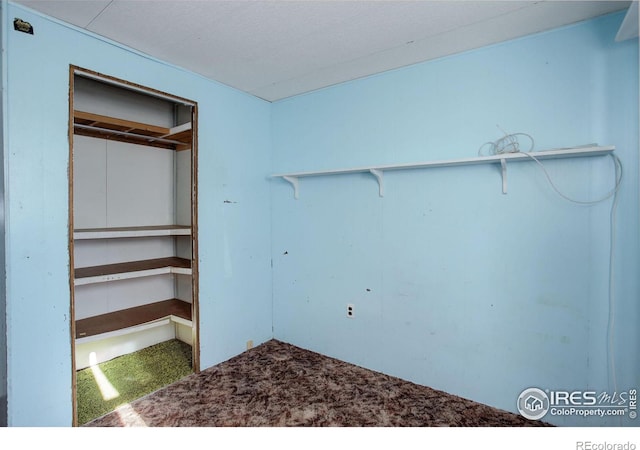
118,184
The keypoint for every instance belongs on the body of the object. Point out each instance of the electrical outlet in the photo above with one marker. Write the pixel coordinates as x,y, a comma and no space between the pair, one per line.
350,310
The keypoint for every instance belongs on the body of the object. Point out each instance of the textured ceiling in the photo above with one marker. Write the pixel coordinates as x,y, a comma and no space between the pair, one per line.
276,49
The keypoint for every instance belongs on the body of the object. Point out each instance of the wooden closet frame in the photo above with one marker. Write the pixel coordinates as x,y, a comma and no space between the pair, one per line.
76,70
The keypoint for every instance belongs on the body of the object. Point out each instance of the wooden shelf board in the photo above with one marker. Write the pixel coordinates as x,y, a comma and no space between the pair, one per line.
183,136
113,128
131,269
180,133
116,124
128,139
131,317
127,232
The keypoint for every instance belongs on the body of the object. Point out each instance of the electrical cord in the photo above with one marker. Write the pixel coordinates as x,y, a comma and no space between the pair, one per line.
612,220
611,318
613,192
507,144
510,144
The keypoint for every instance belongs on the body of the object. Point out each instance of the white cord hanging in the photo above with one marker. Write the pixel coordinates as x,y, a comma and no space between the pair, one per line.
510,144
507,144
608,195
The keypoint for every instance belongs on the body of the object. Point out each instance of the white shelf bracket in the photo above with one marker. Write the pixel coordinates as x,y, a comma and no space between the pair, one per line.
380,177
294,183
503,163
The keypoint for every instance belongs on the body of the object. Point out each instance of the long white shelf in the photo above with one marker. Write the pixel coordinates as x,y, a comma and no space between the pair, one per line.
378,171
131,232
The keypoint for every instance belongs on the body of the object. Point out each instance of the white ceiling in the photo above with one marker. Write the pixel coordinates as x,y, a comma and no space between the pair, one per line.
276,49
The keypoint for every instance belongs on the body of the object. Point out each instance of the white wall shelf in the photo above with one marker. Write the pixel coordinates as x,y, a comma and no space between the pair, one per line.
378,171
132,232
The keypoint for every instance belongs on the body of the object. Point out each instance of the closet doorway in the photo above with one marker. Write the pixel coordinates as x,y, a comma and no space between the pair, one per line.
132,237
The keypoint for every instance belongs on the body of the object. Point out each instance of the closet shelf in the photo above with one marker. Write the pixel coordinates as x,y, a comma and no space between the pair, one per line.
105,127
378,171
132,269
145,316
132,232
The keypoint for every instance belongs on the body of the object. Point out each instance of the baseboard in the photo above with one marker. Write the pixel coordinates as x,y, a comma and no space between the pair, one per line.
97,351
110,345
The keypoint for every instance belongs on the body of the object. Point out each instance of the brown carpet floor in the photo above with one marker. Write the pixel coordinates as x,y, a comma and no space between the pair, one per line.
277,385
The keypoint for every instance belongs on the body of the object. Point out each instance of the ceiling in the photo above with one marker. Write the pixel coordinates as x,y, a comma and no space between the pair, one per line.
277,49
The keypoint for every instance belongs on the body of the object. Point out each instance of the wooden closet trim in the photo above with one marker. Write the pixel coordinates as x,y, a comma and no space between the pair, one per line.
75,70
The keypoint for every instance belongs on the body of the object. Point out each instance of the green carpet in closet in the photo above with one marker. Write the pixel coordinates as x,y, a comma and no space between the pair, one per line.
103,388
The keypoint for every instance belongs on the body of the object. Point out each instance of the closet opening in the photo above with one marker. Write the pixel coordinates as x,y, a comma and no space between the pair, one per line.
133,241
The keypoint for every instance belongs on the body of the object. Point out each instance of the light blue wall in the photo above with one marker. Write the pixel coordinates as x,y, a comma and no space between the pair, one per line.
234,161
455,285
3,299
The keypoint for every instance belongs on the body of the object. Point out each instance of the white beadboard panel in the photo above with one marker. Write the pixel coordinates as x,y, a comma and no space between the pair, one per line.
183,187
101,298
89,182
111,251
140,184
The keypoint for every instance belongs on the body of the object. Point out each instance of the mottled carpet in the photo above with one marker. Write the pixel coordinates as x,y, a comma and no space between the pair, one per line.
280,385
